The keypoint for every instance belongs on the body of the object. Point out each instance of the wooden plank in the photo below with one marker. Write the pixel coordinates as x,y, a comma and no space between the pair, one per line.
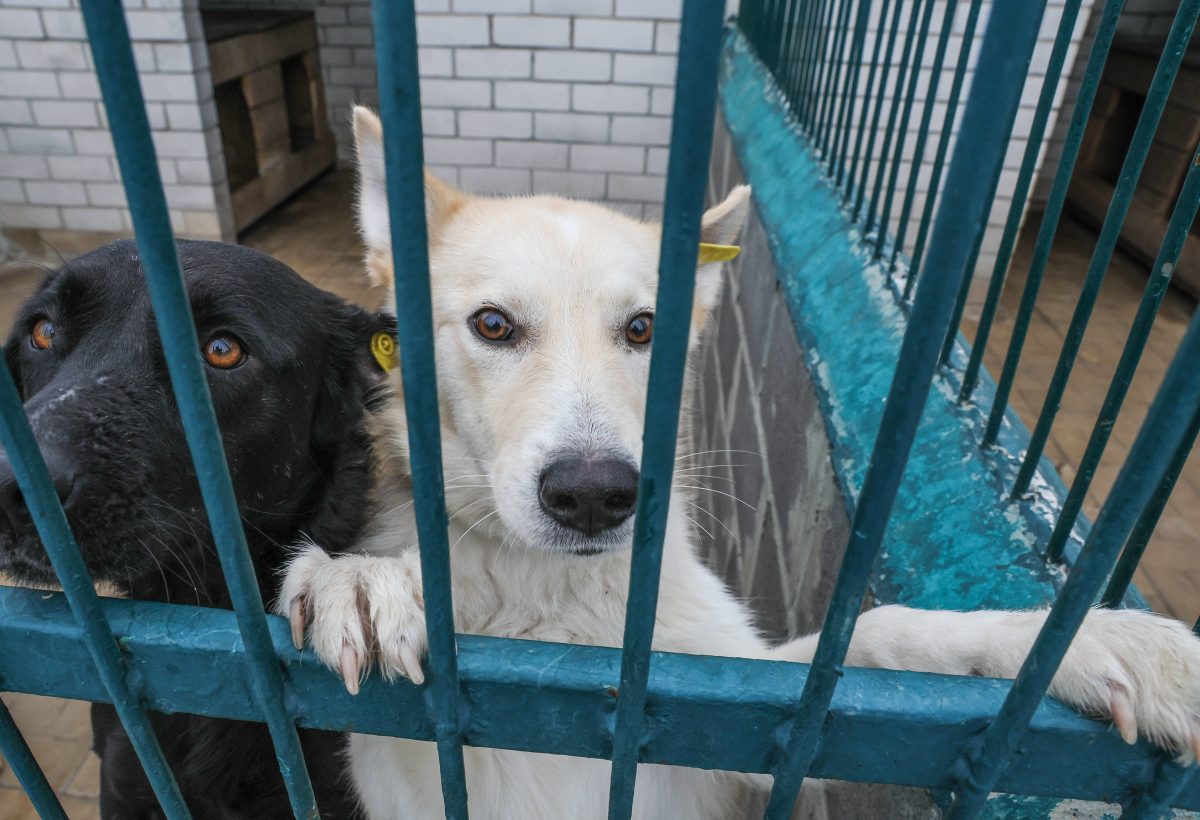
235,56
263,86
253,200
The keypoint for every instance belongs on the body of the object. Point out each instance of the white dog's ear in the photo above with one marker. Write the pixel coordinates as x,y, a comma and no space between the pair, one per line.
720,225
441,200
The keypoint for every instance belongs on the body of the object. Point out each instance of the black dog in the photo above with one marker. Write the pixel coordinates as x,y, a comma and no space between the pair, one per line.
292,380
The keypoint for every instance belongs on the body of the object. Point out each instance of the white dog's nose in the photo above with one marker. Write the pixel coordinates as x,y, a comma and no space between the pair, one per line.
588,494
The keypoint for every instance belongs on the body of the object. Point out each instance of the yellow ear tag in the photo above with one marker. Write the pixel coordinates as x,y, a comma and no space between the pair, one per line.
383,347
717,253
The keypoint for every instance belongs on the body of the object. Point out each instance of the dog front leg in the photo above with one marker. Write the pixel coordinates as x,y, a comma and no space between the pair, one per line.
1140,670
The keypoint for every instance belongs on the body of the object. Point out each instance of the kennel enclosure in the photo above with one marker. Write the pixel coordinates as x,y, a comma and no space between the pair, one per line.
817,122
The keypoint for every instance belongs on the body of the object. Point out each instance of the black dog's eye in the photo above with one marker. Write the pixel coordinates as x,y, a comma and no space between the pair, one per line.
640,329
224,352
492,325
42,335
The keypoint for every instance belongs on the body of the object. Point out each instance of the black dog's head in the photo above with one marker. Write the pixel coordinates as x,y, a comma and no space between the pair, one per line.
291,374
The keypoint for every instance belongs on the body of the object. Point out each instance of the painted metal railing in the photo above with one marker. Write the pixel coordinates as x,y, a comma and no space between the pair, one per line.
631,705
792,47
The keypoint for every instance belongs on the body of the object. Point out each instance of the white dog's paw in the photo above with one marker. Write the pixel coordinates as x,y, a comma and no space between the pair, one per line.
358,611
1139,670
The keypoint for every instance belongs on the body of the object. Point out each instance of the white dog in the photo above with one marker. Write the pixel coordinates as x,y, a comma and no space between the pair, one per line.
543,313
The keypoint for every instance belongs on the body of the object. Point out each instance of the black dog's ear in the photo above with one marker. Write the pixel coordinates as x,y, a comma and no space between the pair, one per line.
353,385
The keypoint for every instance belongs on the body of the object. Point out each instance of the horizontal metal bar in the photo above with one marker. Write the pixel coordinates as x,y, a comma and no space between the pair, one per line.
691,146
130,128
29,774
713,713
400,111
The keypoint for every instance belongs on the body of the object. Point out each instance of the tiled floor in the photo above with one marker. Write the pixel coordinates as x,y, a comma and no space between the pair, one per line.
1169,574
314,234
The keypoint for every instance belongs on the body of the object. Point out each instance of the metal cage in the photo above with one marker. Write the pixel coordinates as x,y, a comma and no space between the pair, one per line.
632,705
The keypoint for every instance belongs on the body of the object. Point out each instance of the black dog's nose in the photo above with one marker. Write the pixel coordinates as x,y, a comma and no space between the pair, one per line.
589,494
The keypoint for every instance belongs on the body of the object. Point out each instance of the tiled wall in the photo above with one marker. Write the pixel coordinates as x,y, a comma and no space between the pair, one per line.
57,165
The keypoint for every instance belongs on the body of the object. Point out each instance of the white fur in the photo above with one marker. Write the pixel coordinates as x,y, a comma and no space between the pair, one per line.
571,272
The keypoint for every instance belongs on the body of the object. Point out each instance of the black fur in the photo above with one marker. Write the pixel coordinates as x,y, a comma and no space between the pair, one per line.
293,421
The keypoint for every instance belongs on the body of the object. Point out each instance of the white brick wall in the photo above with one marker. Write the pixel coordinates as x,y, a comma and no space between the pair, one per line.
58,169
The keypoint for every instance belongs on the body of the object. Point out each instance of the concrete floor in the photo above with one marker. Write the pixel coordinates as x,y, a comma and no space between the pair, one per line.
314,234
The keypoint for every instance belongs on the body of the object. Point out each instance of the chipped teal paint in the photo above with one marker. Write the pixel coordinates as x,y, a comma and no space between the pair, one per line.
975,552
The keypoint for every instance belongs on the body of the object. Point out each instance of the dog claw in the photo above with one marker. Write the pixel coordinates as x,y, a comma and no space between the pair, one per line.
296,619
350,669
1122,713
412,664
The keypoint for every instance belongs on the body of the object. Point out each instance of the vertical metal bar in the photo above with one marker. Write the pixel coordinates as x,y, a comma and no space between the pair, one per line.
850,91
897,103
1005,53
37,489
910,99
1110,233
838,58
130,128
803,93
939,60
1155,801
893,31
866,104
400,109
1139,538
25,767
1054,207
1182,217
1008,241
939,157
1176,405
817,88
691,142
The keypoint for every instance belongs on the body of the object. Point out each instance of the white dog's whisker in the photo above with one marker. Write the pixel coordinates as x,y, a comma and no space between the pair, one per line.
718,492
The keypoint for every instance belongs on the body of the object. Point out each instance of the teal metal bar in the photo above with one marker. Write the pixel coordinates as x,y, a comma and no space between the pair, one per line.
113,54
40,497
844,125
893,31
1143,530
1110,232
827,134
713,713
1176,405
939,156
910,100
898,102
852,173
914,175
1155,801
691,144
29,773
1105,30
814,94
400,110
978,156
1008,241
1182,217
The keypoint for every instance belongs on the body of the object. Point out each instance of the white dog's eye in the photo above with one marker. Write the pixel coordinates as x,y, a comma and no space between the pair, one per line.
492,325
640,329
